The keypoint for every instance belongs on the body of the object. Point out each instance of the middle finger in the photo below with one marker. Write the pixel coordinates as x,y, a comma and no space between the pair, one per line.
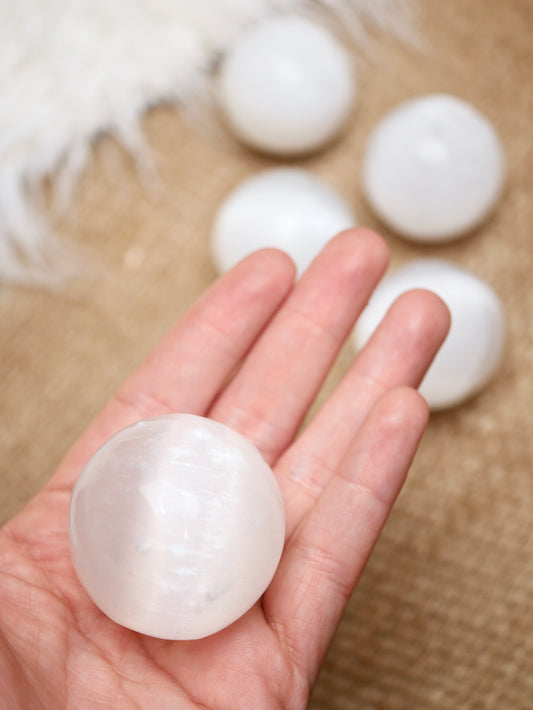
279,379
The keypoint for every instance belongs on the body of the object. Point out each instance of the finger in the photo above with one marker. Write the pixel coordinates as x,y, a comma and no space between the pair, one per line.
328,551
188,368
276,385
399,353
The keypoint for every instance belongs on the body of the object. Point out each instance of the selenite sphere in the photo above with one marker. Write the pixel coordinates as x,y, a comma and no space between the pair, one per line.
287,86
473,349
433,168
286,208
176,526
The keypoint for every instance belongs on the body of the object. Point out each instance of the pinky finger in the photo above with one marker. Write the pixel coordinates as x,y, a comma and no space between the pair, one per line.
327,552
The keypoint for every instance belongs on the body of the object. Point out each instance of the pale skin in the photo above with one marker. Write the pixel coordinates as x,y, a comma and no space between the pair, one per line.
251,353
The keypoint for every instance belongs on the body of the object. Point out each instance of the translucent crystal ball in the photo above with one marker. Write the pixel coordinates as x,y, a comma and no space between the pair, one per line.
176,526
433,168
287,86
473,349
285,208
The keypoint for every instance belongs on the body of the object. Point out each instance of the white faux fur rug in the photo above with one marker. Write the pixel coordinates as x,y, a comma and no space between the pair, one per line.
72,69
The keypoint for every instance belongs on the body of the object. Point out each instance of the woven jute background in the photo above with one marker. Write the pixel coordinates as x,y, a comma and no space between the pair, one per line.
443,617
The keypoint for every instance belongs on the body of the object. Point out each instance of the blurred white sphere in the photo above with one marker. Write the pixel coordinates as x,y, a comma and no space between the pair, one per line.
287,86
176,526
434,168
473,349
286,208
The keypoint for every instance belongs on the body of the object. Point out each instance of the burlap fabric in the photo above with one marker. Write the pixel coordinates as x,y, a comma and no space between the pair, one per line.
443,617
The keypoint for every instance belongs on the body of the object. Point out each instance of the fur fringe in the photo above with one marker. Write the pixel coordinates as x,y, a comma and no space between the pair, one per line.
73,69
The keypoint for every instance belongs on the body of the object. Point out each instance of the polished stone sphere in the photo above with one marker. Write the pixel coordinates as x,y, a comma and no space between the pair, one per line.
473,349
287,86
433,168
285,208
176,526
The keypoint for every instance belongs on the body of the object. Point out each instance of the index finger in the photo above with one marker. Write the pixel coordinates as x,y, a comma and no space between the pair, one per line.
194,360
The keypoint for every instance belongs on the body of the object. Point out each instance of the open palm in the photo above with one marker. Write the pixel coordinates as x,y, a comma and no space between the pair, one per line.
251,353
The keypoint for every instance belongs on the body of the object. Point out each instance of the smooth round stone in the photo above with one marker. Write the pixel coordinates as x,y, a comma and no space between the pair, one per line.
286,208
176,526
433,168
287,87
473,349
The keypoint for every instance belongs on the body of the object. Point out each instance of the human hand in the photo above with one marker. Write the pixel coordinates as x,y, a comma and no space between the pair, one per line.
251,353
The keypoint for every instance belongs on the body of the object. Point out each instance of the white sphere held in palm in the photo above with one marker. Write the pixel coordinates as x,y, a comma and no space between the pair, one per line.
433,168
287,87
285,208
473,348
176,526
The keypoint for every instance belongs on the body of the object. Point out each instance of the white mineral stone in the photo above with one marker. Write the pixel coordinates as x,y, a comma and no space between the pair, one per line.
287,86
177,526
286,208
433,168
473,349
